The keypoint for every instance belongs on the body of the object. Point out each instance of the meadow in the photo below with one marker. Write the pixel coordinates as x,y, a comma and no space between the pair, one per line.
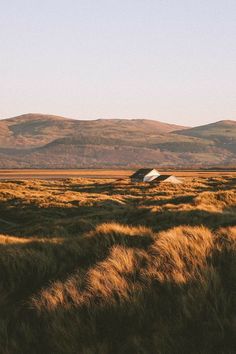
16,174
103,266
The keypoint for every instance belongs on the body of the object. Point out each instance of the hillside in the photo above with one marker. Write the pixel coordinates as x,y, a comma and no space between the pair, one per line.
33,130
46,141
222,133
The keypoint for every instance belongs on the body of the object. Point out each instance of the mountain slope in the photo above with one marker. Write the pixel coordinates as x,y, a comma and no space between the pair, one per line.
41,141
223,133
32,130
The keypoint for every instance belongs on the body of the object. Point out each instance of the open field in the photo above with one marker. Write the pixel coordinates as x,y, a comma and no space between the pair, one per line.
99,173
103,266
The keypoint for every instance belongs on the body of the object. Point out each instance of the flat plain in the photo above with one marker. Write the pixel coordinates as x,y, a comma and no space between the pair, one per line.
16,174
94,265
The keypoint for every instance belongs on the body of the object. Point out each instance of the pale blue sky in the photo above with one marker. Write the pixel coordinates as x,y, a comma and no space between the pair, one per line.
170,60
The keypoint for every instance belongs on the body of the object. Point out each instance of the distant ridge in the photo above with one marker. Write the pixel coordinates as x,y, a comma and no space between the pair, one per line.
34,129
222,133
48,141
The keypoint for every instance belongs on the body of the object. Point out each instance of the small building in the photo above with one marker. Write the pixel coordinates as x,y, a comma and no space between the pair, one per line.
168,179
145,175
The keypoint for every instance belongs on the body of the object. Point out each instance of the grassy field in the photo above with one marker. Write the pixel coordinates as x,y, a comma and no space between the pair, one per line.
102,266
6,174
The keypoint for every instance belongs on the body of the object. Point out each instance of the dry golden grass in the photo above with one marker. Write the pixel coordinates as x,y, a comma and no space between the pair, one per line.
101,266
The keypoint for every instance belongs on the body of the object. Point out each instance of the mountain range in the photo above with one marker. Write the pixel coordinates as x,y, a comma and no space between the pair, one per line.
47,141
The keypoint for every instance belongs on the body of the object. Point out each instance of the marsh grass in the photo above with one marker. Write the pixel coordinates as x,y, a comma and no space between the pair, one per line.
90,266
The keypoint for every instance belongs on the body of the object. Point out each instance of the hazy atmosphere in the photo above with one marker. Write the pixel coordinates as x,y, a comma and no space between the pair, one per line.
117,177
173,61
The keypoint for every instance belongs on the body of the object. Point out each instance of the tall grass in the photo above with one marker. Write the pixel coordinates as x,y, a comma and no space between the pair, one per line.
91,267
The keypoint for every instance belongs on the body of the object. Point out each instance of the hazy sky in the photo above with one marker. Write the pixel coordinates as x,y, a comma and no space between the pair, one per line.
170,60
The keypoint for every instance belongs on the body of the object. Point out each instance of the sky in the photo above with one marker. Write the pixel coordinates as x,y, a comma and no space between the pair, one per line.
169,60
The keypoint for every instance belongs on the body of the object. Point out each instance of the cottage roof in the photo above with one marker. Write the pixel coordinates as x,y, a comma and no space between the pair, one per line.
142,172
168,178
162,178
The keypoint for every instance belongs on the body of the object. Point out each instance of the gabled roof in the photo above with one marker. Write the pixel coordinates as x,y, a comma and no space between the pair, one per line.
142,172
162,178
168,178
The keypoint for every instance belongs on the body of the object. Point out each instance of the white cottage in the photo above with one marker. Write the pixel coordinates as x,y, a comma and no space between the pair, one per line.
145,175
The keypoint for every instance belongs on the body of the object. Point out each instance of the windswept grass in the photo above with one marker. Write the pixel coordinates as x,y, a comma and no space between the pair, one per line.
112,267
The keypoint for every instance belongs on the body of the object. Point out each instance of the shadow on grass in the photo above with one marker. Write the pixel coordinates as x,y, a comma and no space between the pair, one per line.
175,200
213,220
31,220
165,317
26,268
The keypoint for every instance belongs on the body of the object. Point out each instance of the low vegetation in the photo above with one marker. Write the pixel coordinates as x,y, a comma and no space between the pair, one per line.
106,266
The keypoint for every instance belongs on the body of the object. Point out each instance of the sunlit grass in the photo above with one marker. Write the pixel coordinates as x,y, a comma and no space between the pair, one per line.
98,266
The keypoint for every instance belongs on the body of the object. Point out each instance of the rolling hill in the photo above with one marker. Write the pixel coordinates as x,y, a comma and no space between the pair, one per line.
47,141
222,133
33,130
